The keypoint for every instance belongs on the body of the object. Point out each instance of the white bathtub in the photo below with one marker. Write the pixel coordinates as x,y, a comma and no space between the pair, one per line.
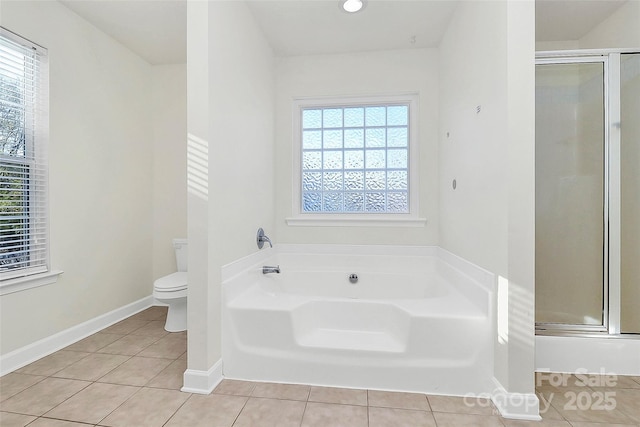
418,319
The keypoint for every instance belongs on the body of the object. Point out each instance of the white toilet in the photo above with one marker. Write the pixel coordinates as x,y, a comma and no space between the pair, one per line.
172,290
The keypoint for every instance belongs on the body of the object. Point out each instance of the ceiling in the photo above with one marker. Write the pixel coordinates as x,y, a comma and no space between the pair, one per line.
317,27
156,29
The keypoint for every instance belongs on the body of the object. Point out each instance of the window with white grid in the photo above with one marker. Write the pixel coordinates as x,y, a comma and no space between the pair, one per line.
24,246
355,157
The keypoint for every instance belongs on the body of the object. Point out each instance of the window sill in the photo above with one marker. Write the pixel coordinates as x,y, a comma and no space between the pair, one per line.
355,221
28,282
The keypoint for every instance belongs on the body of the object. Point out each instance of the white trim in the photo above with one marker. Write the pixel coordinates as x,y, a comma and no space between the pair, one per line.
619,354
356,221
517,406
28,282
411,219
202,382
23,356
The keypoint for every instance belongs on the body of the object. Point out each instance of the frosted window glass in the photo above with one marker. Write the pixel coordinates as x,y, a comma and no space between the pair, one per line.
311,139
312,202
375,180
311,119
355,159
311,160
332,118
353,117
375,116
397,180
375,159
397,115
353,202
397,202
354,181
311,181
332,202
332,181
353,138
375,202
332,139
397,159
375,138
332,160
397,137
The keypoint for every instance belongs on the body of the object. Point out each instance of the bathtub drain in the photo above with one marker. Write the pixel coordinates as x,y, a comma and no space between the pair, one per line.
353,278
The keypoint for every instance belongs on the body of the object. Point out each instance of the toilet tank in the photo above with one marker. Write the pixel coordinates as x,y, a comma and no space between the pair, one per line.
180,246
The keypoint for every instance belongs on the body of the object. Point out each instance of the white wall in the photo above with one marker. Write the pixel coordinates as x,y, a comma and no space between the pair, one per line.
241,122
620,30
169,109
100,176
473,217
371,73
519,344
202,332
230,166
557,45
487,110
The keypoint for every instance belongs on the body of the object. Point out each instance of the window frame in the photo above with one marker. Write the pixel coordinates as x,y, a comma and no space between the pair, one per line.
411,218
36,141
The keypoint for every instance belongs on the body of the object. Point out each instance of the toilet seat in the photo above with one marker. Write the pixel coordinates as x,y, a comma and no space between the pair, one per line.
172,290
172,283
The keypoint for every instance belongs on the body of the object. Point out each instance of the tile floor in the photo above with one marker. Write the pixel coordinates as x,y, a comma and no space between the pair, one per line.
130,374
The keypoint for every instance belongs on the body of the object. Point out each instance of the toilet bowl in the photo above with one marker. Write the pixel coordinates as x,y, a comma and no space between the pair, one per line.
171,290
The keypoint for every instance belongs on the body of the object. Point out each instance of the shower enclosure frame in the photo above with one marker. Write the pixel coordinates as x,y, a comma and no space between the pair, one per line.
611,286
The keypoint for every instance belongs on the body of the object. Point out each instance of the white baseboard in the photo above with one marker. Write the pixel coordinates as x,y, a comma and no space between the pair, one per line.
519,406
30,353
202,382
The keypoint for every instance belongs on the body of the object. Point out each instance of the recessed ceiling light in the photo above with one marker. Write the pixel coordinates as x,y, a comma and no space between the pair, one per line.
352,6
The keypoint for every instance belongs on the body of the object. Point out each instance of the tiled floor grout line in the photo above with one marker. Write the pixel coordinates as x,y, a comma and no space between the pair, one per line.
239,412
176,411
304,412
118,407
368,411
51,409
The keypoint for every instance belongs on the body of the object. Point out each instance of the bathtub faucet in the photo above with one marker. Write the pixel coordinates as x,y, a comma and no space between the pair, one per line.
269,269
261,238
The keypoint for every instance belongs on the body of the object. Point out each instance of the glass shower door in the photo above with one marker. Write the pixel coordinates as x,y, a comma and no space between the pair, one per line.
630,193
570,195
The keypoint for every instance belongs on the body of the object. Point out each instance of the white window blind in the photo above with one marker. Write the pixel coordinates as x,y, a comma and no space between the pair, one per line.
23,157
